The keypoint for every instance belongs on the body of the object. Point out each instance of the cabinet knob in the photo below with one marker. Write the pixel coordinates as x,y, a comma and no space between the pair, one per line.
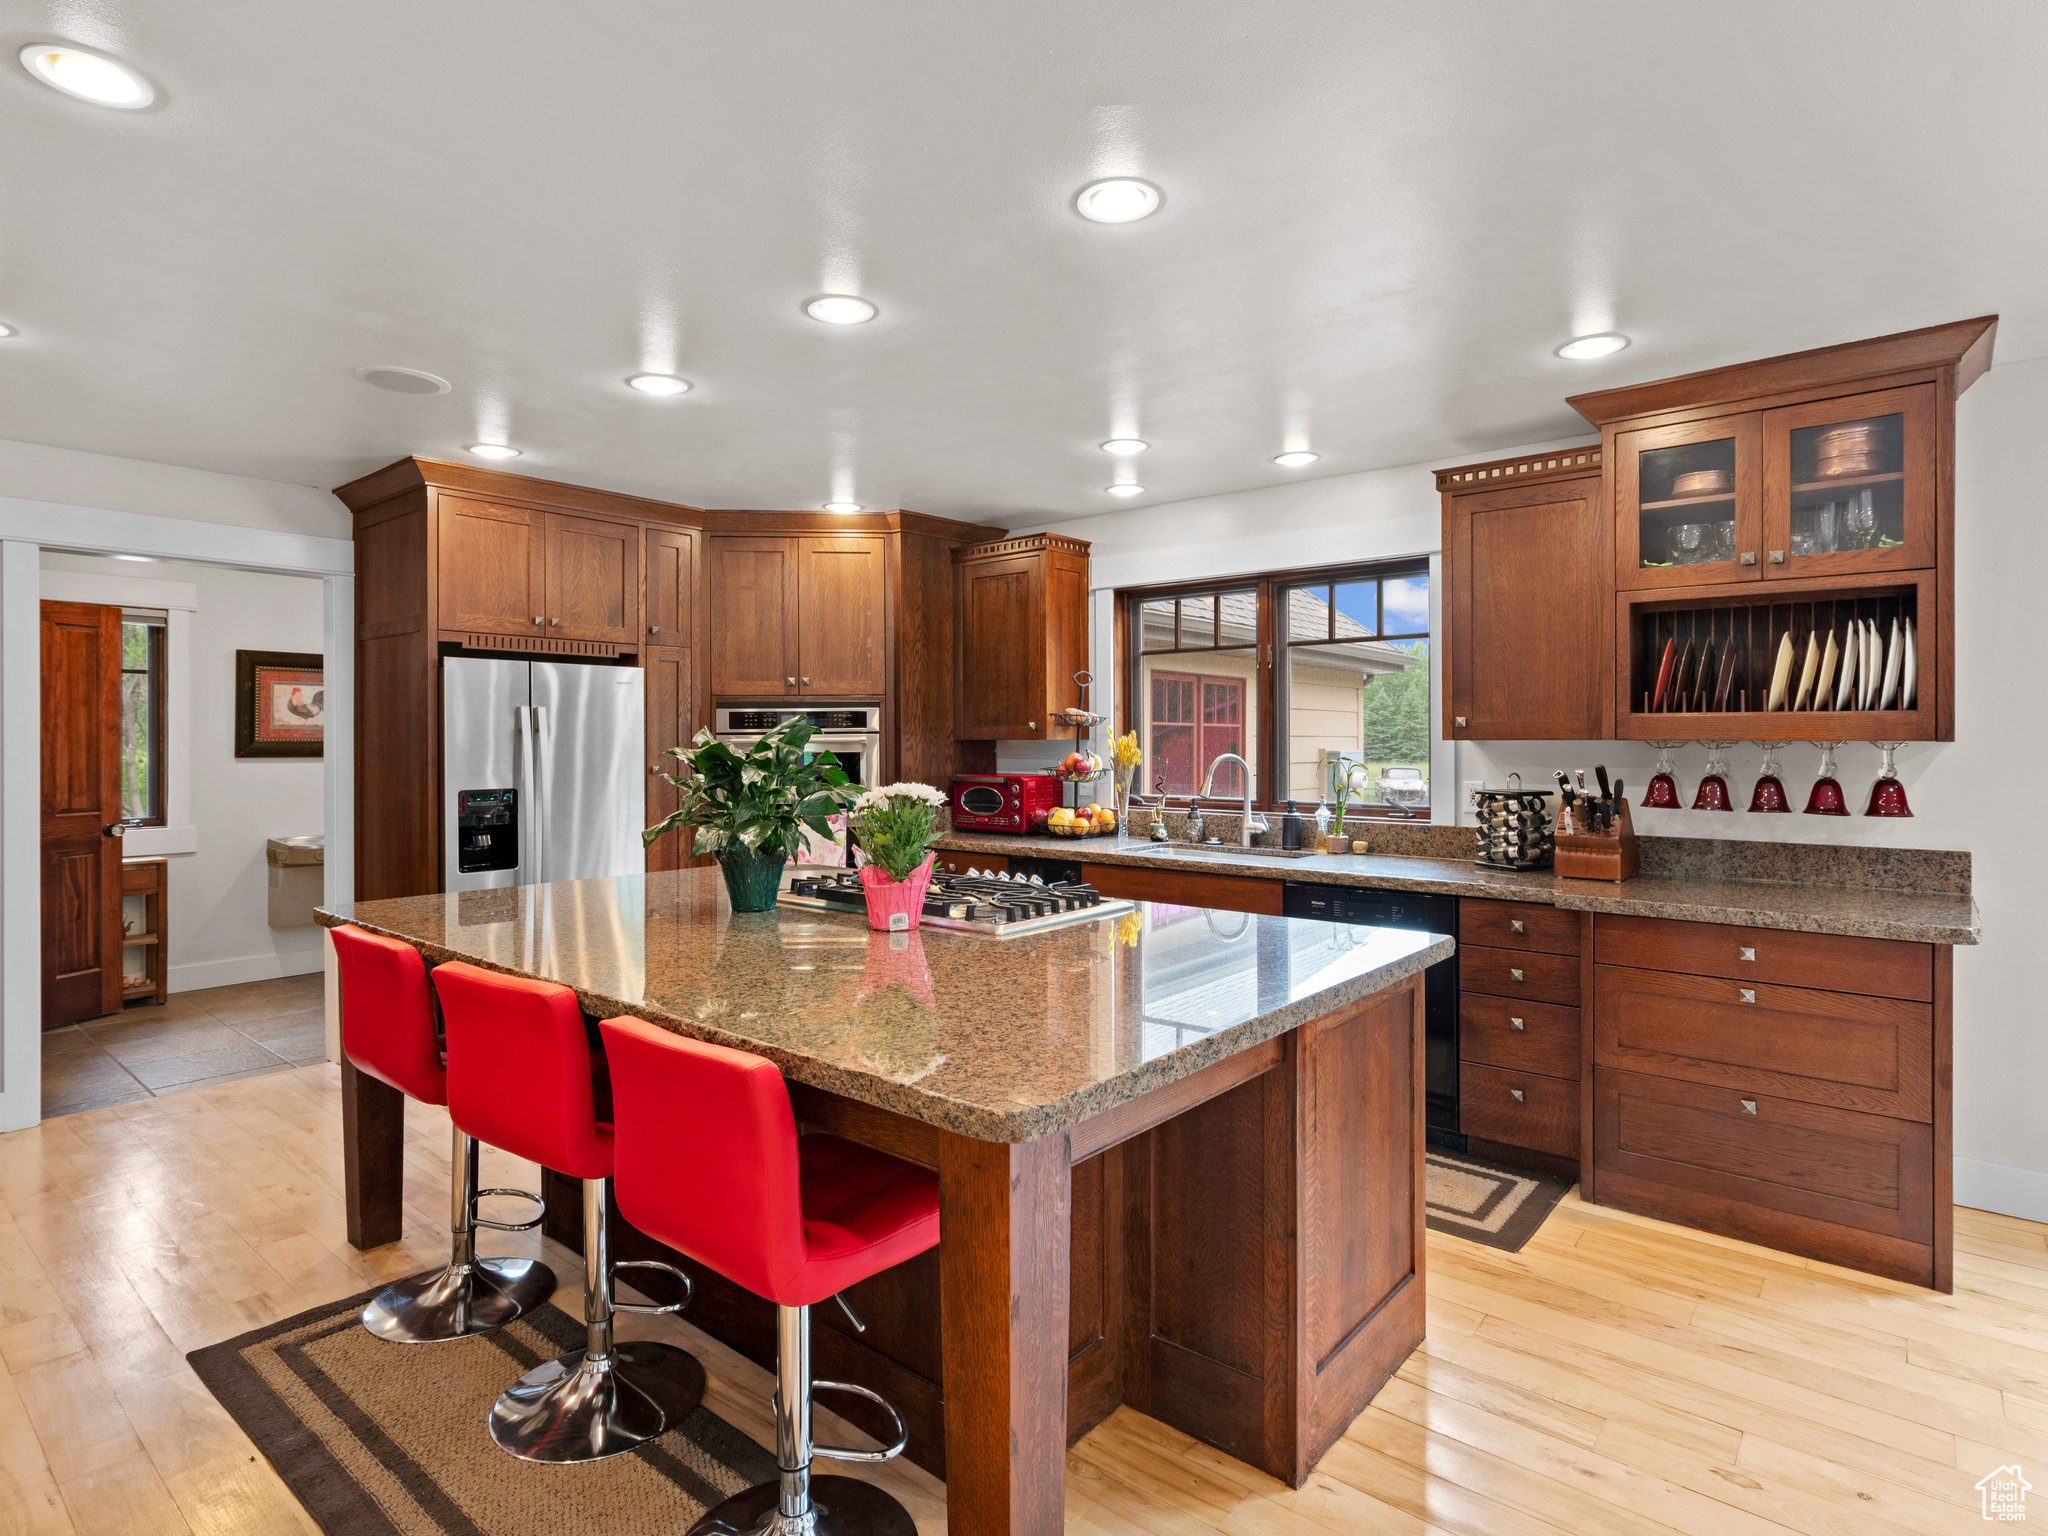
807,682
1515,973
1749,557
554,623
790,681
1031,725
1749,994
1515,1094
1517,1024
1461,722
1748,1106
1777,557
654,629
1515,925
1746,953
538,619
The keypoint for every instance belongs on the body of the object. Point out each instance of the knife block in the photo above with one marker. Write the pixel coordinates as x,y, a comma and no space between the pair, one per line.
1588,856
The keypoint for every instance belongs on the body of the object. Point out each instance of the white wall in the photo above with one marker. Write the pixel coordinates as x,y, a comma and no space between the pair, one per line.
34,472
219,895
1966,794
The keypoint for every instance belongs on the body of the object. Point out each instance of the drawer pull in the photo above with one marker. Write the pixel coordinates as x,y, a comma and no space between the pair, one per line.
1749,994
1515,973
1746,954
1516,1094
1514,1023
1749,1106
1515,925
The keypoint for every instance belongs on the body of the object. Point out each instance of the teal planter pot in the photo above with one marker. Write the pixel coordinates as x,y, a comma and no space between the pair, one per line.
751,879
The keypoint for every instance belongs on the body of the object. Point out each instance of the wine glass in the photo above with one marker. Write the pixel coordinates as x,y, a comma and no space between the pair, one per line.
1769,794
1827,518
1859,520
1827,798
1662,794
1888,795
1685,542
1713,791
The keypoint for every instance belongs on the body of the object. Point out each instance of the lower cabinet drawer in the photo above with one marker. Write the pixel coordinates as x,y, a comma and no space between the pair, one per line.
1716,1152
1522,1037
1518,973
1186,888
1522,1109
1877,967
1518,925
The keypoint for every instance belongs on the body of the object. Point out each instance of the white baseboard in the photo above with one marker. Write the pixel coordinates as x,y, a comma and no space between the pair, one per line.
199,975
1983,1186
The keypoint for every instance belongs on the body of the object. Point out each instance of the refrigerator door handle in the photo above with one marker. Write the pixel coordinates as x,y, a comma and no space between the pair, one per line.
529,799
543,770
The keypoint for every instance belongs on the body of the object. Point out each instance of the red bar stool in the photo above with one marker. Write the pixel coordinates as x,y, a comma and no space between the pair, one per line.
710,1163
387,1031
521,1077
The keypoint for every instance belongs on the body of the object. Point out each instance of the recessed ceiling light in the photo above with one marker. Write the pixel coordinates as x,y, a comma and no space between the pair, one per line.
1124,447
87,75
6,329
842,506
403,381
839,309
1125,490
1296,459
492,451
1583,348
142,559
659,384
1119,200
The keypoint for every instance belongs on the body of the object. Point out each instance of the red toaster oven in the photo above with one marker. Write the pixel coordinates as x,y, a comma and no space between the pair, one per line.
1002,802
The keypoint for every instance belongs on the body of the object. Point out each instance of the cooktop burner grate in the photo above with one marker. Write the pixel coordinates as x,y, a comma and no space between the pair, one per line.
1000,905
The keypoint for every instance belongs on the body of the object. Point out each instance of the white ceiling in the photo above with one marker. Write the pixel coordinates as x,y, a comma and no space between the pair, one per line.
1380,219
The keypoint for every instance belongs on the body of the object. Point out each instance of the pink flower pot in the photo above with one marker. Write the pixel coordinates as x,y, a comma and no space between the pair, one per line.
895,905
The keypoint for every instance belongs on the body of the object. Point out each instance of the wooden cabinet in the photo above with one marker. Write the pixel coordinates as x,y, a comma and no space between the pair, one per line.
1021,610
1186,888
1791,1089
492,564
671,722
1782,507
672,586
798,616
1520,1048
594,581
1527,600
145,929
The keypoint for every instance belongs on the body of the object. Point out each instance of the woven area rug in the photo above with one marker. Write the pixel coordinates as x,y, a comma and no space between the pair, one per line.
380,1439
1489,1202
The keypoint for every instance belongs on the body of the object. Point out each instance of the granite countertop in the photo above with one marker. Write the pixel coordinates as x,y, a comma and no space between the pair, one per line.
997,1039
1861,911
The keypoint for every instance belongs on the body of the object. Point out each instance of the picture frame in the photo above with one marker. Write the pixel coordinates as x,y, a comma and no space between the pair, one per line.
280,704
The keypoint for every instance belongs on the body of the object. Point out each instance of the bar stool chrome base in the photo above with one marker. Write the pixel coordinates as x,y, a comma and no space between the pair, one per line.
574,1408
456,1301
467,1295
840,1506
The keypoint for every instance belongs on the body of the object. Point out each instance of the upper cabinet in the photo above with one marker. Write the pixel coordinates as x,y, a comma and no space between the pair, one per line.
798,616
1528,608
671,586
594,580
1021,621
1783,542
506,570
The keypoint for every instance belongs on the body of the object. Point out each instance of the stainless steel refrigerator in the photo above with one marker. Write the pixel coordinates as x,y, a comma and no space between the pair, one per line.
542,775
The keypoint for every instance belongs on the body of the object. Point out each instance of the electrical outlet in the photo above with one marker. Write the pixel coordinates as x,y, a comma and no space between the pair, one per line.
1472,788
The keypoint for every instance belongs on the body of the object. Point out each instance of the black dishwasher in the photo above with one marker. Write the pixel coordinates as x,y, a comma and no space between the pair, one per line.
1431,914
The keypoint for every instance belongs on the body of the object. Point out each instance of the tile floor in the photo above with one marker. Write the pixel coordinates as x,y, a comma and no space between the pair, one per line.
194,1040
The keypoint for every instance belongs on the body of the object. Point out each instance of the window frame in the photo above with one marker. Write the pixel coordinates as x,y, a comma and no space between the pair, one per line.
156,671
1270,588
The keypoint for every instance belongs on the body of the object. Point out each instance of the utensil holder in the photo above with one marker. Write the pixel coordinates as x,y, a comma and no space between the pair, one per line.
1597,856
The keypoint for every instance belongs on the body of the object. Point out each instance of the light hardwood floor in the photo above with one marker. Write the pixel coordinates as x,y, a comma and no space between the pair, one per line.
1617,1375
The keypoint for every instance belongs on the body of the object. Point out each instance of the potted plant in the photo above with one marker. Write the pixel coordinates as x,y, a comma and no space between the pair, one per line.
749,809
895,827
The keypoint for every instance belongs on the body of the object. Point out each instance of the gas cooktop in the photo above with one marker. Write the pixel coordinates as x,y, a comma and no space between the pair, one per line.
999,906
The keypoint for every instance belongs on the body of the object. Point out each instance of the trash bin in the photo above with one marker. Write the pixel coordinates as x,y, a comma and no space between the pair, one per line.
298,878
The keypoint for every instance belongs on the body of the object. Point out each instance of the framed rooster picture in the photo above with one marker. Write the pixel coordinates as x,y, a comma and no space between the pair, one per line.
280,704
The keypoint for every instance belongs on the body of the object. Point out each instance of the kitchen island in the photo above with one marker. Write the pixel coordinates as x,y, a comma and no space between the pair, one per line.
1180,1152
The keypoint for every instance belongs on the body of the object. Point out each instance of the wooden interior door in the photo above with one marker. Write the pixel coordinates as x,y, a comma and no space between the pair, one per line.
490,566
594,584
753,590
839,617
1526,578
81,858
671,586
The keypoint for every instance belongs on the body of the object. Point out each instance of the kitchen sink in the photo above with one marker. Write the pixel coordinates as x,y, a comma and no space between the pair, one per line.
1233,850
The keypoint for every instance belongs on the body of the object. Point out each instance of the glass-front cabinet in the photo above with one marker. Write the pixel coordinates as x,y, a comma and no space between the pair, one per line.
1849,485
1690,500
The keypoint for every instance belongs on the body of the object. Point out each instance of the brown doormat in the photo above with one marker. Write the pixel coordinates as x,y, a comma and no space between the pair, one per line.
1489,1202
381,1439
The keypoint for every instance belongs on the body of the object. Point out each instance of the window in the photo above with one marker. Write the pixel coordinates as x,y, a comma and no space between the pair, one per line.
1345,701
142,718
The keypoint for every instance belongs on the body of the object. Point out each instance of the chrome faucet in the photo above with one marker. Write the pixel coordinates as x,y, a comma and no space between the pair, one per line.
1246,828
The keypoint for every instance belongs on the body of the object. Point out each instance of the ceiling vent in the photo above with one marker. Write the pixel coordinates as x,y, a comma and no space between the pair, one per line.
403,381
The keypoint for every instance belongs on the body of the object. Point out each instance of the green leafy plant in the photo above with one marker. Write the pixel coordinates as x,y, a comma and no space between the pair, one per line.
760,799
896,826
